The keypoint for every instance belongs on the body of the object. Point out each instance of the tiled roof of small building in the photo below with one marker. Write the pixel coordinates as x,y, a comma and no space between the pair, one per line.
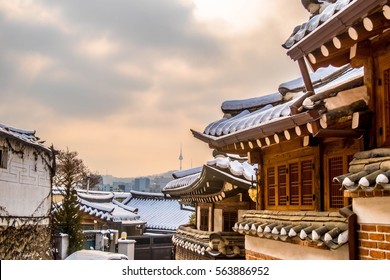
226,244
368,171
107,208
320,229
26,136
209,185
159,211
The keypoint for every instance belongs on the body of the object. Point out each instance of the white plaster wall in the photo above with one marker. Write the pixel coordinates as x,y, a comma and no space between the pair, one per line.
372,210
287,251
25,185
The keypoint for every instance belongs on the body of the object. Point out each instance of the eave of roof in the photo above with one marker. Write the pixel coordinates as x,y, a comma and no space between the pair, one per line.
243,133
26,136
337,24
260,131
210,184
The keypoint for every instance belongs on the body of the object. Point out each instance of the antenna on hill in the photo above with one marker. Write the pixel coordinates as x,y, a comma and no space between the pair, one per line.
181,157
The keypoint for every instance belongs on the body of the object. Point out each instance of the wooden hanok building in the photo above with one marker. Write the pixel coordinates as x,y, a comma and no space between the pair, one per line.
357,32
299,143
219,192
311,142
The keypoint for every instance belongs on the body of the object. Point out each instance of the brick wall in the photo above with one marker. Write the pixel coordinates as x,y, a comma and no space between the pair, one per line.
250,255
374,242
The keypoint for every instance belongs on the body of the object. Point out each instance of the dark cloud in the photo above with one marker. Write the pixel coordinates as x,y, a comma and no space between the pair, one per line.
146,31
163,24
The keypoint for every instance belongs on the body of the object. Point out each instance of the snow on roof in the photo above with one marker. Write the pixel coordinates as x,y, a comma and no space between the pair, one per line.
245,169
106,208
241,171
246,119
325,79
26,136
182,182
96,197
301,31
318,78
160,213
184,173
239,105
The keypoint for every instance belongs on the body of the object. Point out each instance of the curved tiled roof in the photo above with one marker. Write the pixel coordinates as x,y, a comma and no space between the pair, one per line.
182,182
159,211
237,168
368,171
106,208
314,22
228,169
272,118
326,38
322,229
247,119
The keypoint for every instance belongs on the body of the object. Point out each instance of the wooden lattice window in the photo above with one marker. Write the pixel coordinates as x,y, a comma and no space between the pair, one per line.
204,219
271,199
336,198
282,185
229,219
307,182
336,166
290,186
294,183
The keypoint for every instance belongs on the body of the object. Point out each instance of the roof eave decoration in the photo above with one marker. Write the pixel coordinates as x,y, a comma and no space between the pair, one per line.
349,19
259,136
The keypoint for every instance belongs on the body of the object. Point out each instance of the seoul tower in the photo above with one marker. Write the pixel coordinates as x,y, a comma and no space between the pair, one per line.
181,158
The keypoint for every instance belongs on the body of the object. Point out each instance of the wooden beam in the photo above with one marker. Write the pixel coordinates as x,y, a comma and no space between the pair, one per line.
301,130
386,11
362,119
328,48
343,41
339,133
342,114
338,59
259,143
305,75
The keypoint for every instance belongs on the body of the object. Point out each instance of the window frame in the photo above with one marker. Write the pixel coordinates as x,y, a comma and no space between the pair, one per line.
204,218
230,220
277,167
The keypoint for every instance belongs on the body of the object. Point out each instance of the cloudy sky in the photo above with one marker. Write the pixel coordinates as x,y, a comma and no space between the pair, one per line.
122,82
